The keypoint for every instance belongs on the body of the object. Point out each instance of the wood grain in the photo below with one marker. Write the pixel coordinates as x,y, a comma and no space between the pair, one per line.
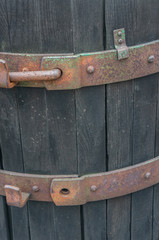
4,224
12,156
119,121
124,147
84,131
90,113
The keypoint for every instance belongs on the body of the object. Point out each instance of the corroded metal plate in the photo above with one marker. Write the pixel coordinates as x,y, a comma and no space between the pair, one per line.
106,185
73,190
106,68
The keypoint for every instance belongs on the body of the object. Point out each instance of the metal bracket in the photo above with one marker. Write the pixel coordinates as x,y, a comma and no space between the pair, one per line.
15,197
120,44
101,186
74,190
62,72
4,76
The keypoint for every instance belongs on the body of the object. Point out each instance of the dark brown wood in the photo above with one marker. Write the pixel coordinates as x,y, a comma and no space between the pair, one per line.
122,138
84,131
119,122
119,127
41,140
4,224
156,187
143,147
155,216
88,36
5,46
12,155
145,97
50,138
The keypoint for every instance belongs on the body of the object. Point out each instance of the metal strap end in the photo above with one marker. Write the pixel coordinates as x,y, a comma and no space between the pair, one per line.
15,197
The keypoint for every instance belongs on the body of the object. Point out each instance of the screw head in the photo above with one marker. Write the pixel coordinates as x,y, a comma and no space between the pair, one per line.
147,175
90,69
120,41
93,188
35,188
119,33
151,59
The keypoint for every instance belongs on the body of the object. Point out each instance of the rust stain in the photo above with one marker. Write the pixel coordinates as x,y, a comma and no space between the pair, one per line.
70,190
72,71
101,186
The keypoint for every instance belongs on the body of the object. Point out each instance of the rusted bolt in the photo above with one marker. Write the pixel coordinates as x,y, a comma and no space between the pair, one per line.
120,41
35,188
90,69
93,188
151,59
147,175
119,33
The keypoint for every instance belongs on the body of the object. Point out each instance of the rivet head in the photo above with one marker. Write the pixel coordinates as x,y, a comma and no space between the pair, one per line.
147,175
151,59
90,69
93,188
120,41
119,33
35,188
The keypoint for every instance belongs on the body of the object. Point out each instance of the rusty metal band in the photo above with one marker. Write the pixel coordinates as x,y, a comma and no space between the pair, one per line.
70,190
81,70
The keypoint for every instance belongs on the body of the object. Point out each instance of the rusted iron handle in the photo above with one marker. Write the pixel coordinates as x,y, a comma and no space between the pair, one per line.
35,75
10,79
69,190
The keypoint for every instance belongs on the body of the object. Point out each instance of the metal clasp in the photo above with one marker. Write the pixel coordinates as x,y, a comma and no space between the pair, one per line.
120,43
15,197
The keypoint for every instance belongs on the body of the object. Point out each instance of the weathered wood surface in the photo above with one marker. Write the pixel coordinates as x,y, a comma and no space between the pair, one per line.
88,36
131,111
84,131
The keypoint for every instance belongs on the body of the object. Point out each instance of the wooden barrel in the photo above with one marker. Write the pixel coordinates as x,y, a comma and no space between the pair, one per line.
89,130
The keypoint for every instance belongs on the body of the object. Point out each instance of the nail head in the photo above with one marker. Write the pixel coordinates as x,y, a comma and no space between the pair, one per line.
35,188
93,188
151,59
120,41
147,175
90,69
119,33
